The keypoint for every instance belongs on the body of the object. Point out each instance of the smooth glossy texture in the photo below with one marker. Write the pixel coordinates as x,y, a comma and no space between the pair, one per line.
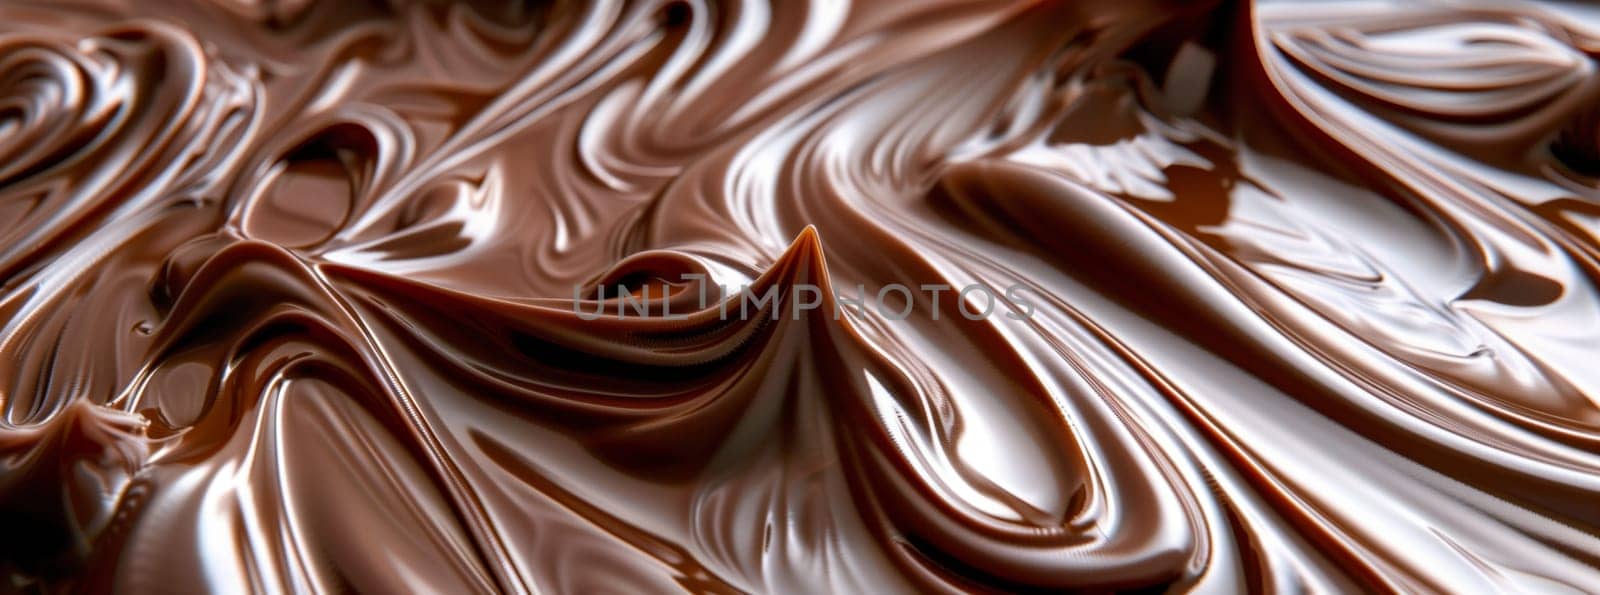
286,296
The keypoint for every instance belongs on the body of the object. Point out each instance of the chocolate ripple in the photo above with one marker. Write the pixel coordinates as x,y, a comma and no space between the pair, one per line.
1284,296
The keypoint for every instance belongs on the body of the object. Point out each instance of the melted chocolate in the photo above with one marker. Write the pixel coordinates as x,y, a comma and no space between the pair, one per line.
286,296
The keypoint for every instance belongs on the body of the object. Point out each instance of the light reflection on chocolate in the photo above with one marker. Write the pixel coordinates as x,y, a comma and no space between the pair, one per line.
285,296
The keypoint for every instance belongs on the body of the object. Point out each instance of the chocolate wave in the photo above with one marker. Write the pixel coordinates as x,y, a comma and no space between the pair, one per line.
302,296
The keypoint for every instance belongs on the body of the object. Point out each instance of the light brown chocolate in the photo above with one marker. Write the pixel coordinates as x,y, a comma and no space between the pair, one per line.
287,296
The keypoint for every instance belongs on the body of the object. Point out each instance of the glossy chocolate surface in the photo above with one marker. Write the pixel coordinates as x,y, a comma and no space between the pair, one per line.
287,296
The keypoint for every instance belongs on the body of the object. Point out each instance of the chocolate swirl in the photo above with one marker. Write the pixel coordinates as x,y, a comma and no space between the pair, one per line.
334,296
